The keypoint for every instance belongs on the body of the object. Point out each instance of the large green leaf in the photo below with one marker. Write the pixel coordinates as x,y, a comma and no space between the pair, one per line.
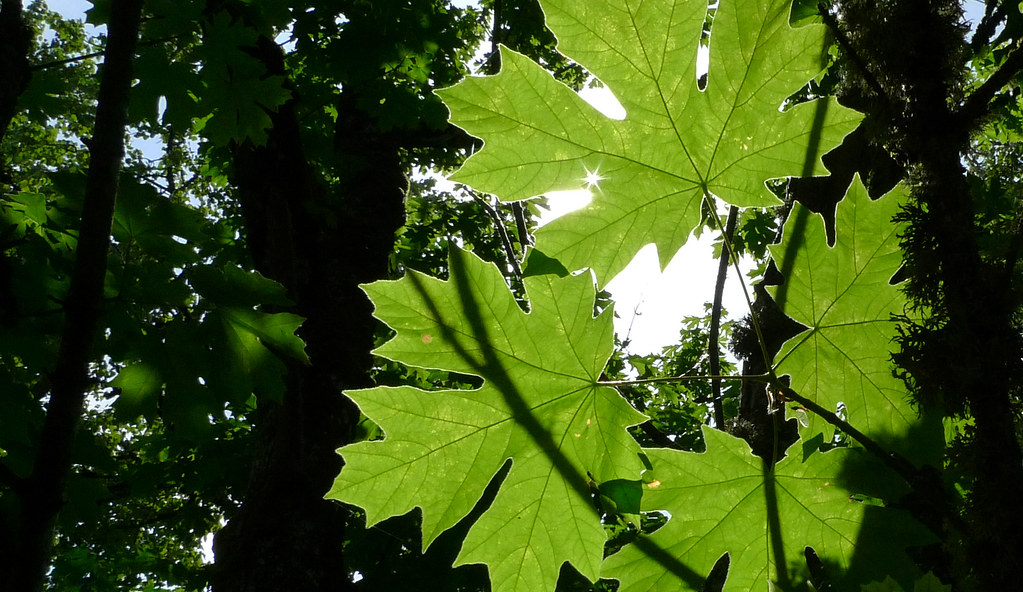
725,501
676,145
540,405
844,295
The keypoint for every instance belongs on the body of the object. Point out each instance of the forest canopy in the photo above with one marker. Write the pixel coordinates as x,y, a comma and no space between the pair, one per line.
282,276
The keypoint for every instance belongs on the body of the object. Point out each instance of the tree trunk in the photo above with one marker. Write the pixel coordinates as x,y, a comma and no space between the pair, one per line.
964,356
320,245
40,497
15,45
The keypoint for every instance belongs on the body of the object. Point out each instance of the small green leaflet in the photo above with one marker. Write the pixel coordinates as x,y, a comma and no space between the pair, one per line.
724,500
676,145
140,386
251,346
844,296
240,94
540,405
928,583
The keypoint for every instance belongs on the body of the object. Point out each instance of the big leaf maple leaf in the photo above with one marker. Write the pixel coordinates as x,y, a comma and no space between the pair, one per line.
726,500
845,298
677,144
540,405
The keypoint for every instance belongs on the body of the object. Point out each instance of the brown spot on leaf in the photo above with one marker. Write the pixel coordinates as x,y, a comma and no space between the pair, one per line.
427,338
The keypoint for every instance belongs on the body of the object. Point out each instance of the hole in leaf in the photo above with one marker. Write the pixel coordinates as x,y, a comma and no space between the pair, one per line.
703,51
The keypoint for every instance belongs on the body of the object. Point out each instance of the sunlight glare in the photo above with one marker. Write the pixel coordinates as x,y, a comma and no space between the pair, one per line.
592,178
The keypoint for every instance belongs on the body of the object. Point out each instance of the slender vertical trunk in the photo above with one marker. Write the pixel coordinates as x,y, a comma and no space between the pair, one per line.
15,45
42,494
714,348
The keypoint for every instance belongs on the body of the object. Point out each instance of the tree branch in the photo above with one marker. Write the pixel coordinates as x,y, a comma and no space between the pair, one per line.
994,12
715,317
425,137
976,105
96,54
520,225
894,460
657,435
65,61
501,230
854,56
493,63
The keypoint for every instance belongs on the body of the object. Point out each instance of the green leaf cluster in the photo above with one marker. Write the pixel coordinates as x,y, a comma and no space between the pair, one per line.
543,403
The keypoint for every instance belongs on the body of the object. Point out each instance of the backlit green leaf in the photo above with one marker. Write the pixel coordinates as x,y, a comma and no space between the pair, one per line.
140,385
540,406
677,145
844,295
725,501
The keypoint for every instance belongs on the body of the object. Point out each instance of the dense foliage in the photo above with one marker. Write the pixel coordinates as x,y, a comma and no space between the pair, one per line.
225,258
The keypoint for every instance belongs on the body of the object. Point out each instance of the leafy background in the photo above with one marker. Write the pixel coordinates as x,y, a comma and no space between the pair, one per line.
866,433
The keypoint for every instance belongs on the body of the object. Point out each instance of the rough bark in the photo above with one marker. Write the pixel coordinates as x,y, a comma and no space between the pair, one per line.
41,495
972,347
320,245
964,357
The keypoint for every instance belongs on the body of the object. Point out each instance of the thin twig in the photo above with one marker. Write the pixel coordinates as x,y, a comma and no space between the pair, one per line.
501,230
632,321
766,378
96,54
65,61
